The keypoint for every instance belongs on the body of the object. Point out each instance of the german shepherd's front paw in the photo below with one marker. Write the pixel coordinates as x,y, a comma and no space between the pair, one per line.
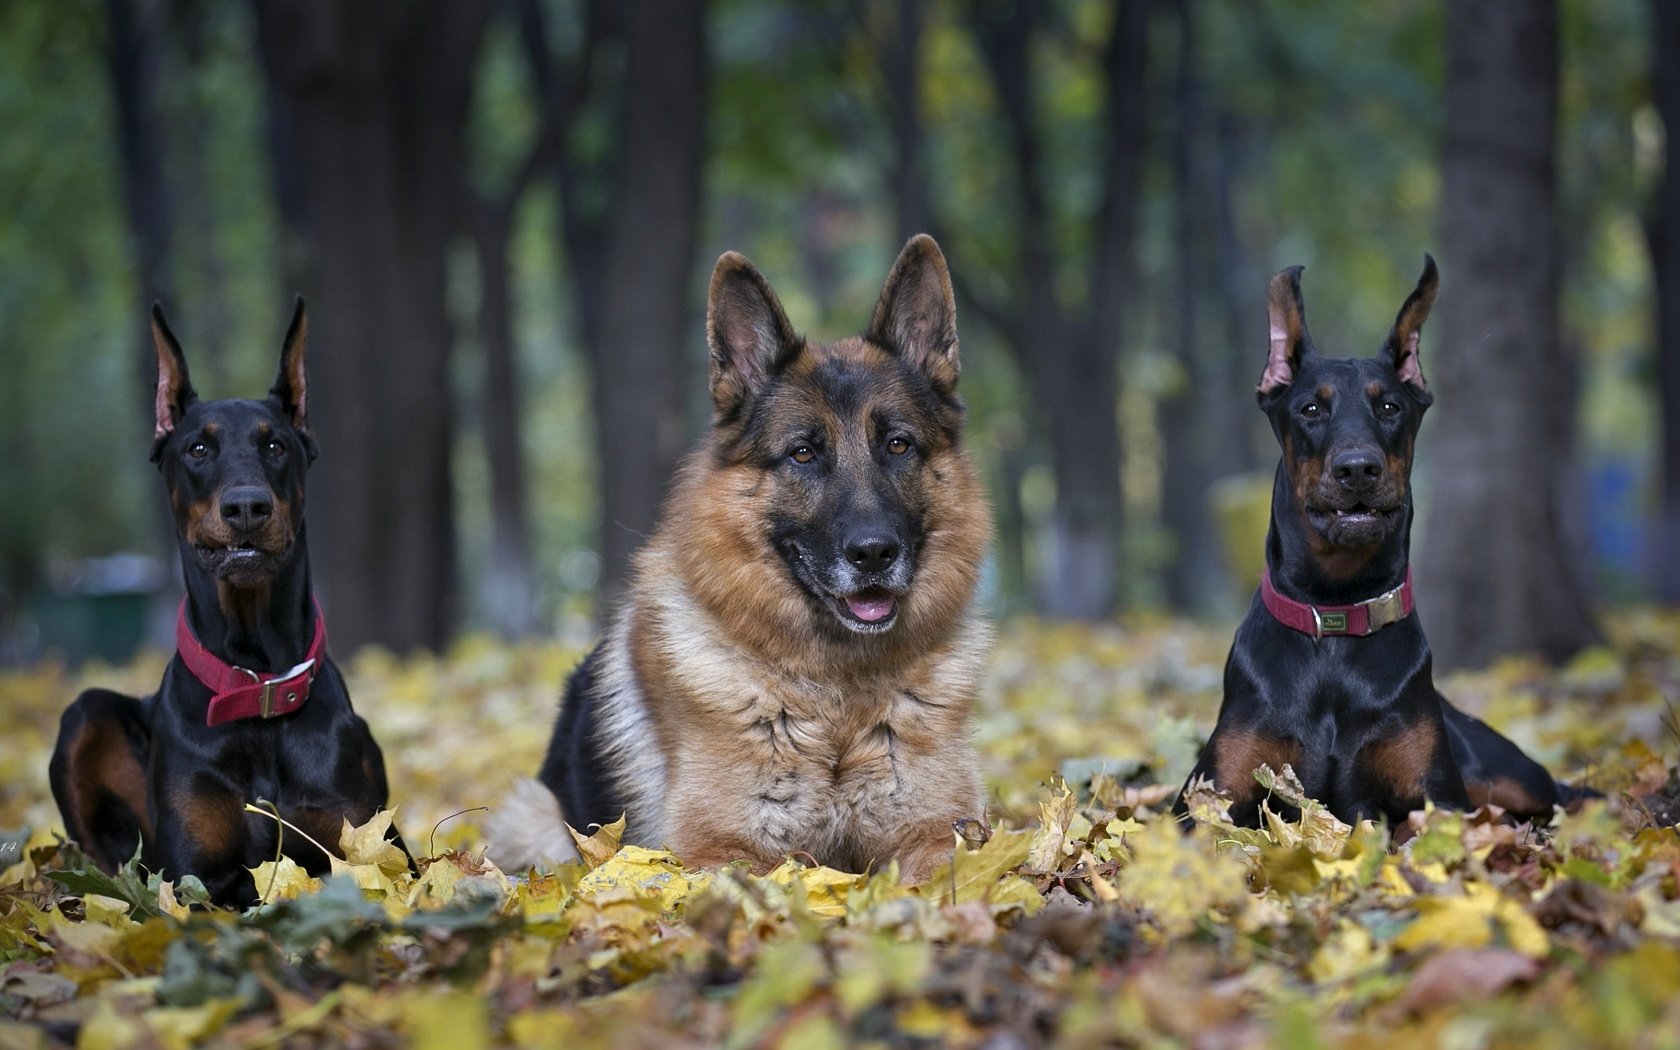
928,846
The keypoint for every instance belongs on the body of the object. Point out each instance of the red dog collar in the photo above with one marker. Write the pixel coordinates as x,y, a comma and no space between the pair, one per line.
1359,619
239,693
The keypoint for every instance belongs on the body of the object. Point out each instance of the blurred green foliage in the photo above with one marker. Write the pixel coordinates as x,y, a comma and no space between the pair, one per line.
1327,114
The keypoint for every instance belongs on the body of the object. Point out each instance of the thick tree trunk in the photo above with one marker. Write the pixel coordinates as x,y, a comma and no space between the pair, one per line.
1495,575
1080,399
510,590
1237,285
208,325
901,68
374,97
1192,576
1665,263
1070,351
133,54
644,347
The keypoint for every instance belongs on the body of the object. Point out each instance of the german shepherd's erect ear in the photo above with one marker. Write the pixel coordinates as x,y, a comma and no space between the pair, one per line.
917,315
747,334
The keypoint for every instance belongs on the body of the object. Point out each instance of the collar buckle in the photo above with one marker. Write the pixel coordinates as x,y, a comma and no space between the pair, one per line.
1385,609
265,700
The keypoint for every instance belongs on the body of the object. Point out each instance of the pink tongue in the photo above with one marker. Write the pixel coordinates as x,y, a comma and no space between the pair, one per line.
871,606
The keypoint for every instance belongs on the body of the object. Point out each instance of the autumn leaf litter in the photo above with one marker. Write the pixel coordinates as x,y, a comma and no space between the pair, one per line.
1077,913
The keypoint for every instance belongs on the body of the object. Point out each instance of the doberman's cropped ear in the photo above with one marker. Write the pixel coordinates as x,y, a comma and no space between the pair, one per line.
1401,348
747,334
291,385
174,389
916,316
1291,345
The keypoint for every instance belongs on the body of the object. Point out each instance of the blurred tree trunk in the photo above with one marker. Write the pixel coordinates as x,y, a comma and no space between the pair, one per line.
646,348
630,258
1240,289
901,68
1664,232
134,51
1068,345
510,590
1496,574
1189,451
372,97
208,327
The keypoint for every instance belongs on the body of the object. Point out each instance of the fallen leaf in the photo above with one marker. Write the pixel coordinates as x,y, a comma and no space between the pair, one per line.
1453,976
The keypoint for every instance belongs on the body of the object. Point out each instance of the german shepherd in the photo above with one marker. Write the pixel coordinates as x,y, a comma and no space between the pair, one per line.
794,666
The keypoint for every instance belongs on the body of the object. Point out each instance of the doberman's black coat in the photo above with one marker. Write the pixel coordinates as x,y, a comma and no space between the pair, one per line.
1358,718
152,771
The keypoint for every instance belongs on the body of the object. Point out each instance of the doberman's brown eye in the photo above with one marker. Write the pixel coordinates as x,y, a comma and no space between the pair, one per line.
898,446
1389,408
1310,410
198,450
274,448
802,454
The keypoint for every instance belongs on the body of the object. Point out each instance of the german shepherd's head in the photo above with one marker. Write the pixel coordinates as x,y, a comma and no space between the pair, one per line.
834,500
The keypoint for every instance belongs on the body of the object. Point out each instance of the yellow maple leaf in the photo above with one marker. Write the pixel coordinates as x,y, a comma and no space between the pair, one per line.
449,1020
368,844
822,890
645,872
282,880
168,904
972,874
1044,853
179,1027
110,1029
106,911
1471,921
1349,951
598,848
1181,879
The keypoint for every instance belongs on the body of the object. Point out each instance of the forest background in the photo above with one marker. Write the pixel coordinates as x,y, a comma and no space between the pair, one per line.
502,216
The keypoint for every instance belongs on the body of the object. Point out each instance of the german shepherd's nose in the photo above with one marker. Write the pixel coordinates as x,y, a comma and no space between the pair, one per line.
871,549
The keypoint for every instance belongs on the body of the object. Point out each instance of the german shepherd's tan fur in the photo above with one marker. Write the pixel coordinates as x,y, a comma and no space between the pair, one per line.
795,665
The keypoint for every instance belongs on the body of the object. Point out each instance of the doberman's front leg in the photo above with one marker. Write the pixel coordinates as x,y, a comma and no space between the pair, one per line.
98,775
204,832
1229,760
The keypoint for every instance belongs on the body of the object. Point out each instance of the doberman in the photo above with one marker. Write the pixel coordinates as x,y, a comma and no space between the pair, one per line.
251,707
1330,671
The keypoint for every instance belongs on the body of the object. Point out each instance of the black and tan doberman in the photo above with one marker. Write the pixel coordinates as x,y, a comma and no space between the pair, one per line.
1330,671
251,707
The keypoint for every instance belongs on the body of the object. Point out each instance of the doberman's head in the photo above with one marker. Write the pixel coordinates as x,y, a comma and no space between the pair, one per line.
1347,427
234,468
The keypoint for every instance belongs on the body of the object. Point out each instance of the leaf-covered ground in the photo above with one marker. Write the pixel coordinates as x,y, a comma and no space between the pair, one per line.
1080,917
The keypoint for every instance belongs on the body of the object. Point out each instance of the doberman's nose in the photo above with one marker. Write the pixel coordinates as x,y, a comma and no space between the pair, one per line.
871,550
246,506
1356,469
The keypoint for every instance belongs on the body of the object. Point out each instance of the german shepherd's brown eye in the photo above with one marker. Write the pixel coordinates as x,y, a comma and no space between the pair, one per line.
898,446
802,454
198,450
